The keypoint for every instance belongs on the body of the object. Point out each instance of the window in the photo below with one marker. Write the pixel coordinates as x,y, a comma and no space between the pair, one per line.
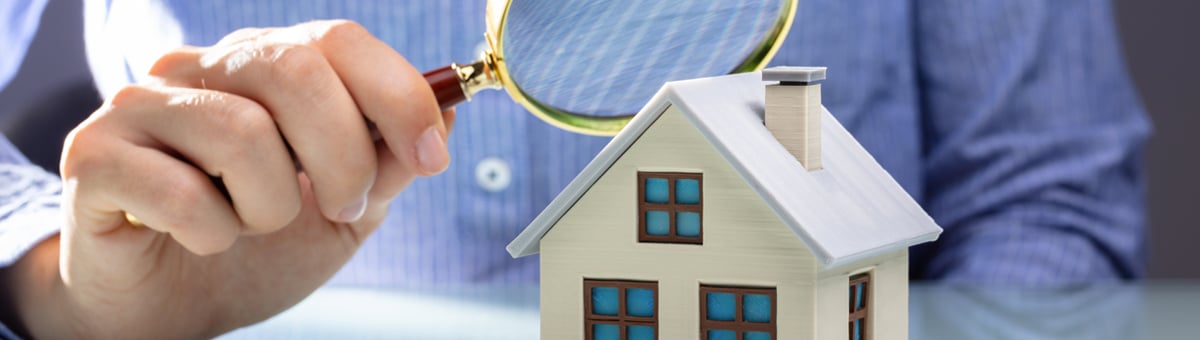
860,288
669,207
730,313
620,310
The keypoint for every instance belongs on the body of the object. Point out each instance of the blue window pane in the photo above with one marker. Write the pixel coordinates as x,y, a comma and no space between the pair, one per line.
858,329
687,224
604,300
756,336
858,303
606,332
658,223
687,191
756,308
640,332
639,302
718,334
656,190
720,307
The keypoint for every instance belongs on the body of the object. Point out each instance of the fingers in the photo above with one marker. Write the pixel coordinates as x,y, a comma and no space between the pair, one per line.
400,103
314,112
226,136
321,83
106,177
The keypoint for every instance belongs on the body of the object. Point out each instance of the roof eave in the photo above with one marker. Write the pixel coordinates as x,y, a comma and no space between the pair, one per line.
529,240
831,262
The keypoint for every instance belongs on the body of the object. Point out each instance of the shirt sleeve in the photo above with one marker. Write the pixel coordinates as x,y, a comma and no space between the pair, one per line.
29,204
21,18
1033,136
29,208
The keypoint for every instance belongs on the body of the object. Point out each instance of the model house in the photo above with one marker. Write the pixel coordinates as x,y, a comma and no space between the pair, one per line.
733,207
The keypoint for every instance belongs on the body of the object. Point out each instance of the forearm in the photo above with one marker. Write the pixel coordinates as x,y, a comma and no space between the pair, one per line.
1005,252
1035,134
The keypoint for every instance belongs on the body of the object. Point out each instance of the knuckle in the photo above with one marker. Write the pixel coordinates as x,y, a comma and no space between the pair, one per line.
242,34
170,62
421,102
245,119
84,147
341,30
246,127
79,151
296,64
181,203
128,96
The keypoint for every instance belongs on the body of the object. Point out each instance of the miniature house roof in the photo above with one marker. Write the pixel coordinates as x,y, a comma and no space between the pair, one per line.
850,210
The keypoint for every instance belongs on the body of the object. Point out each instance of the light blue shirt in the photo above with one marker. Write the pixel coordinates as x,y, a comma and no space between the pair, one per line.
21,19
1013,123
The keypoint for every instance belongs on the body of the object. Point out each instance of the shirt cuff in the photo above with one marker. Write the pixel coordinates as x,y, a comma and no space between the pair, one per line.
30,209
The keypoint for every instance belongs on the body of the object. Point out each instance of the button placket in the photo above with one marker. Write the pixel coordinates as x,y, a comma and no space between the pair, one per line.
493,174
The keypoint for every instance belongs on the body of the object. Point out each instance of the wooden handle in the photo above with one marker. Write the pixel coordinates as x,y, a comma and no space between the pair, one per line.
446,86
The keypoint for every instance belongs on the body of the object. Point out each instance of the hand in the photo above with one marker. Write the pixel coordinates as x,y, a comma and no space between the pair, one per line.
204,263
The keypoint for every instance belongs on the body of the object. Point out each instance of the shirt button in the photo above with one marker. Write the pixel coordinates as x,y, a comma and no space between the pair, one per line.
493,174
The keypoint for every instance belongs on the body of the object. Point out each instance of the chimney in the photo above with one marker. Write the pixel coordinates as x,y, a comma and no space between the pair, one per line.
793,111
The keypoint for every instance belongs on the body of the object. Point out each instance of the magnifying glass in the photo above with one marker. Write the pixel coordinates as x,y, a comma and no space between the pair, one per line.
588,66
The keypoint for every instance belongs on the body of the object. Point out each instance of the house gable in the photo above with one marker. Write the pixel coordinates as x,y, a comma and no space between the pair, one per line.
735,218
849,211
744,241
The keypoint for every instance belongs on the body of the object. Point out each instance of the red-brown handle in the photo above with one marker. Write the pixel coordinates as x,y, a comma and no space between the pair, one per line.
446,87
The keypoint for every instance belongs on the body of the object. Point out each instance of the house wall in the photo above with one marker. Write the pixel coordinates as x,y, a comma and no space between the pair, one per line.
887,299
744,242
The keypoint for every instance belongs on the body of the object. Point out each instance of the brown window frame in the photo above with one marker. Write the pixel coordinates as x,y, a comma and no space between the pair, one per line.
738,325
860,313
670,207
621,320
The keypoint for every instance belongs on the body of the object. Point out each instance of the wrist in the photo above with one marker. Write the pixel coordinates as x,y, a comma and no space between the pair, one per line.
34,290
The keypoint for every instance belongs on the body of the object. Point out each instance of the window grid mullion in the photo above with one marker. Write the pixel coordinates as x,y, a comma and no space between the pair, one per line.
737,306
621,302
598,317
671,223
731,325
671,231
670,189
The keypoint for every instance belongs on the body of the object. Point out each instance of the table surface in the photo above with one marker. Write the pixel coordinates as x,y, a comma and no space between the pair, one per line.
1155,310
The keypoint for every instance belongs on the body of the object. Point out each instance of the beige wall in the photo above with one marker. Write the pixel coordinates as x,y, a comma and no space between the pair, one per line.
887,300
744,242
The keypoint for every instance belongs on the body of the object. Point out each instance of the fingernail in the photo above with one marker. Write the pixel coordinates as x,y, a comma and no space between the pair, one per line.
431,151
353,212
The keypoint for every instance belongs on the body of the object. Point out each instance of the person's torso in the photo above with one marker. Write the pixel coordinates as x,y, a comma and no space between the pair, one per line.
506,164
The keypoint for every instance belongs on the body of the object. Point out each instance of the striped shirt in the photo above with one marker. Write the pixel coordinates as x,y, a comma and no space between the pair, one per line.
1013,123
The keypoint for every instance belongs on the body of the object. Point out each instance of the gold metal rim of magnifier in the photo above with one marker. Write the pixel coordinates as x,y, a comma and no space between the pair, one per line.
493,60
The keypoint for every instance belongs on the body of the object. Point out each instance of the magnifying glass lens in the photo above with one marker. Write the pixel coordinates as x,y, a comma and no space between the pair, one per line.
588,66
607,58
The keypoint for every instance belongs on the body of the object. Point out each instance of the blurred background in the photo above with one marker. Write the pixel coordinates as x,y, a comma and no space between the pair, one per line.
53,91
